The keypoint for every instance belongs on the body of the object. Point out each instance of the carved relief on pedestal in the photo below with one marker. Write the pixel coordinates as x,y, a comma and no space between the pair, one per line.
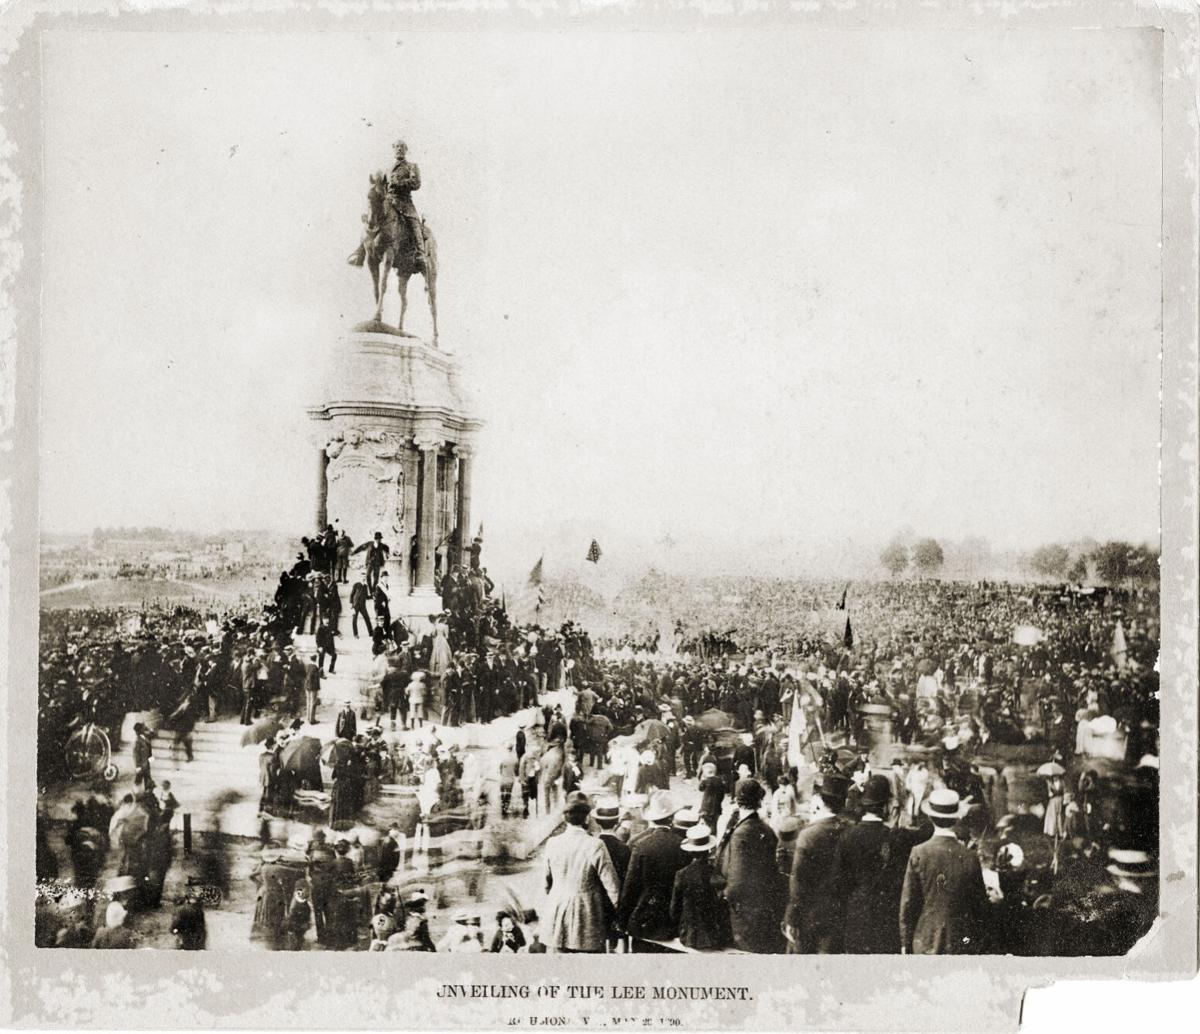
366,482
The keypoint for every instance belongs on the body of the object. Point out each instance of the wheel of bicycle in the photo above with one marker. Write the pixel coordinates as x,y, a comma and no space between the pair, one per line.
86,752
110,772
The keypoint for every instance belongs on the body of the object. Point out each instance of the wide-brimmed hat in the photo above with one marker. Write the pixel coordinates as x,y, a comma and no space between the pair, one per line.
418,897
120,885
607,811
1132,864
944,804
685,818
698,839
662,806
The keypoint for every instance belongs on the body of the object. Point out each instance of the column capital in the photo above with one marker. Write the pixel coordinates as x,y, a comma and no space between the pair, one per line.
464,450
427,443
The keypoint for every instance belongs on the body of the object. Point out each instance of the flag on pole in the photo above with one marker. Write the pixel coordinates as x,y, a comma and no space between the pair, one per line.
1120,650
593,553
849,637
797,729
842,605
535,576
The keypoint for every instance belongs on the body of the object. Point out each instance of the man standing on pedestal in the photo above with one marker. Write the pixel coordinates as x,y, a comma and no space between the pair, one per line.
344,545
377,553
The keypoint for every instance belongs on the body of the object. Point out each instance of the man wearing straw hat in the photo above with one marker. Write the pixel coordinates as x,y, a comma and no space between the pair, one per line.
656,856
944,900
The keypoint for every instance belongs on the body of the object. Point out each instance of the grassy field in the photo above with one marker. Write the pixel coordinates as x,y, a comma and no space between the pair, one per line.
130,592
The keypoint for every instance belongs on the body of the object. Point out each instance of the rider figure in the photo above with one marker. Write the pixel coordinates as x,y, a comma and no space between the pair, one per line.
404,178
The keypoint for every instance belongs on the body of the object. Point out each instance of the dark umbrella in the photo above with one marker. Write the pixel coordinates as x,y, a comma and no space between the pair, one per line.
301,754
336,751
600,725
261,730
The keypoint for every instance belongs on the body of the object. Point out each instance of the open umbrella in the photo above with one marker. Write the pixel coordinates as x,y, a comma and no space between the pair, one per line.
261,730
1051,769
336,751
714,719
301,754
649,730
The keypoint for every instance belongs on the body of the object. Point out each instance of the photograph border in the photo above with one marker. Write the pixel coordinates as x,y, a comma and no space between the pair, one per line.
70,989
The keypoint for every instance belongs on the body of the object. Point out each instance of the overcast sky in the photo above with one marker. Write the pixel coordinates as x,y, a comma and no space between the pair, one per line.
728,286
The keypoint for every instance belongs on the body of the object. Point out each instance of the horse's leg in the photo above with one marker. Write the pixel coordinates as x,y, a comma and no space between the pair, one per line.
402,281
385,269
373,266
431,290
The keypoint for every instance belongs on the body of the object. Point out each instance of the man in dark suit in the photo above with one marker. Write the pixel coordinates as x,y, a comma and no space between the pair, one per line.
383,611
607,814
754,888
377,554
697,909
487,686
346,726
644,910
943,903
389,855
869,868
814,911
358,603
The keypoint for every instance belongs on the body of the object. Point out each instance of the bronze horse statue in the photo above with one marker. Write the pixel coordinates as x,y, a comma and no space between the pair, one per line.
388,246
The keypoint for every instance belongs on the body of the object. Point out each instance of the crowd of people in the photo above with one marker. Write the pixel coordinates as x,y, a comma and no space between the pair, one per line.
972,768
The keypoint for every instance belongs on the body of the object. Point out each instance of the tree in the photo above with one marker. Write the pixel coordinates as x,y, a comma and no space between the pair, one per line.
1143,563
894,558
928,556
1112,562
1051,561
1078,571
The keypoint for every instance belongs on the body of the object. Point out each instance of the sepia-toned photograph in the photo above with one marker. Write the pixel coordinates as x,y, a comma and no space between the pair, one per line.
634,491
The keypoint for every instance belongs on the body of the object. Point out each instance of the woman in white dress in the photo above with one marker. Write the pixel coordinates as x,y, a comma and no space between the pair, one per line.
440,656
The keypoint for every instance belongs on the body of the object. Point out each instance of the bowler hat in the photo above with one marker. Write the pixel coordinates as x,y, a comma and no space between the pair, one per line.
833,784
877,791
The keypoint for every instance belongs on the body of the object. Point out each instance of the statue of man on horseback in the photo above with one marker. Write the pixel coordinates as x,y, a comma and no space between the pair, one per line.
396,238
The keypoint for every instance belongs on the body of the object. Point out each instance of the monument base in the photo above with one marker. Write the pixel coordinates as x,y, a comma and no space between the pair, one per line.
418,609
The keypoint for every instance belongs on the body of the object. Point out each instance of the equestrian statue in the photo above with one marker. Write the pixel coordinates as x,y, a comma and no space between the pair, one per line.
396,239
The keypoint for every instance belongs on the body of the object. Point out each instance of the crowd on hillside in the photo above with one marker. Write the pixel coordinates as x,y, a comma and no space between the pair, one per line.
1035,709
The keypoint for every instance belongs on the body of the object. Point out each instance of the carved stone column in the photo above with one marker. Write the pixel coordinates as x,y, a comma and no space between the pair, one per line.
427,523
322,489
464,454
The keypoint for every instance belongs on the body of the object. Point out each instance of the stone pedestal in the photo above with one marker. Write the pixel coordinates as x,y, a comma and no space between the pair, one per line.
395,432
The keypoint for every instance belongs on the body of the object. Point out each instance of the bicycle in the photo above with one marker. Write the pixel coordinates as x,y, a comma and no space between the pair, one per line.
88,752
